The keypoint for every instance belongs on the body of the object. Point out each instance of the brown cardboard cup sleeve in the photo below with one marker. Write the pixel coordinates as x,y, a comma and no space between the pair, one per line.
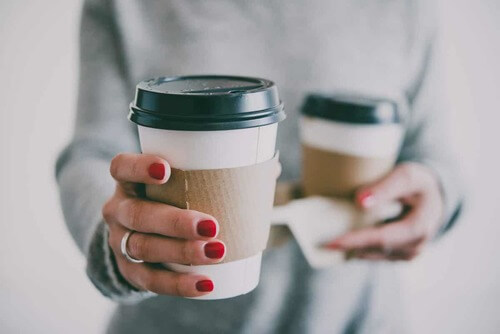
241,199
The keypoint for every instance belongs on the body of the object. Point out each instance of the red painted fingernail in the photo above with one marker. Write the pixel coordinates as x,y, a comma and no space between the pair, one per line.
206,228
205,286
332,245
157,171
366,199
215,250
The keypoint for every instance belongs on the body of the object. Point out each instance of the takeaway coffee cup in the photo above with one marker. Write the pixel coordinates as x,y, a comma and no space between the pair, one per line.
347,141
215,130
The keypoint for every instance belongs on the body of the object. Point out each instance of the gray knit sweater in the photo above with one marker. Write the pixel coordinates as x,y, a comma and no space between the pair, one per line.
382,48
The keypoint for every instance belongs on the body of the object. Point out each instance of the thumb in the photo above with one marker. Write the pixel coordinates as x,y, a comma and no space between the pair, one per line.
403,181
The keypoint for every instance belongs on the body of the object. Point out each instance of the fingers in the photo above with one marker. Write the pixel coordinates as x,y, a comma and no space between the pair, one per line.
401,240
402,254
162,281
379,256
389,236
157,249
412,184
158,218
404,181
139,168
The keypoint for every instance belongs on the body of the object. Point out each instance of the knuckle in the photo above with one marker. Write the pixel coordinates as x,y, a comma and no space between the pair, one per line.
108,211
134,212
185,252
178,286
189,215
115,165
181,220
135,168
111,240
138,245
176,221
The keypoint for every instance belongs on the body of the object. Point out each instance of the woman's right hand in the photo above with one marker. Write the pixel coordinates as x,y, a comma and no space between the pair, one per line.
162,233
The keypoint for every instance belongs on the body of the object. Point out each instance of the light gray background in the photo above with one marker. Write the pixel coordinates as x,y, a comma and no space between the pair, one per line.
453,288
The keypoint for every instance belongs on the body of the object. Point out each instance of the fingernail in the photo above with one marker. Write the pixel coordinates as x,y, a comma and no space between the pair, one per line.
332,245
366,199
206,228
157,171
215,250
205,286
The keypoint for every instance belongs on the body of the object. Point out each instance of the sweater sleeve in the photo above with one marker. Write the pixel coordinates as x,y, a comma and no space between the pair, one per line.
101,131
428,137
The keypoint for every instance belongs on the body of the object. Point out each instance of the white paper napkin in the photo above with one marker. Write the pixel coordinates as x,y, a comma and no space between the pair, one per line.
316,220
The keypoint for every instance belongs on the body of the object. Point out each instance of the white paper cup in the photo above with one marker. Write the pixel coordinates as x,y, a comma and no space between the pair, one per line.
191,150
348,141
210,122
360,140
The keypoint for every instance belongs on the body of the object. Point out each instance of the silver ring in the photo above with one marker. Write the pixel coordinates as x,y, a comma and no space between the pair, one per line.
123,247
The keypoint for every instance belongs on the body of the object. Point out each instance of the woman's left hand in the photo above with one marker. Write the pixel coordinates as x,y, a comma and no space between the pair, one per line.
416,187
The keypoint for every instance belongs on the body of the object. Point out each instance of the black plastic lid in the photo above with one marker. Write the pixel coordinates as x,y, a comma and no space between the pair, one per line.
206,102
351,109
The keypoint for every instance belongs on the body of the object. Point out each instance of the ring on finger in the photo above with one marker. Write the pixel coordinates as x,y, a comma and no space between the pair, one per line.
123,248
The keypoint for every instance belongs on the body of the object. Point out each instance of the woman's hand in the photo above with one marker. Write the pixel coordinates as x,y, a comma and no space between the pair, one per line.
417,188
162,233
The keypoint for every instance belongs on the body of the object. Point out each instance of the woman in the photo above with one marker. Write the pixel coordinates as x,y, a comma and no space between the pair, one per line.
377,48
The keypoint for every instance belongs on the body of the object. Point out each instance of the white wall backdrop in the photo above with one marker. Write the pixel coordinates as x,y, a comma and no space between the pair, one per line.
43,286
453,288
